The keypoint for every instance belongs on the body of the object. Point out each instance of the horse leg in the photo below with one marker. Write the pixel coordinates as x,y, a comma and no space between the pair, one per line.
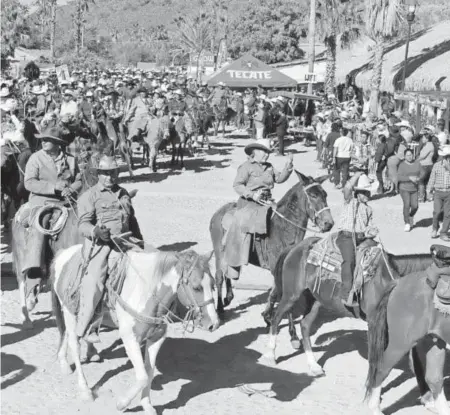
230,295
295,341
305,325
285,305
181,148
62,355
151,351
267,314
134,353
128,155
25,316
92,353
74,344
152,158
434,375
219,284
417,367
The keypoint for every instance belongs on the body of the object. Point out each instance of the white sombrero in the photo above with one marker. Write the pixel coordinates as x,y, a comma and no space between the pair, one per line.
364,184
261,144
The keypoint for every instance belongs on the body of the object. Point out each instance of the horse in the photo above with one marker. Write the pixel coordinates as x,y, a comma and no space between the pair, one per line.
120,142
152,283
31,282
305,200
296,280
179,137
203,121
223,113
157,131
406,320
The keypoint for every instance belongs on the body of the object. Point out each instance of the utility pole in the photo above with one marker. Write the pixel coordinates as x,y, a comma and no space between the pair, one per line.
312,42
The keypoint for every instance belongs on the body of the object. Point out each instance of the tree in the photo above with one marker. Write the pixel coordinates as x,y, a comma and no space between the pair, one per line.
338,22
382,24
42,13
14,26
53,6
269,29
82,6
195,33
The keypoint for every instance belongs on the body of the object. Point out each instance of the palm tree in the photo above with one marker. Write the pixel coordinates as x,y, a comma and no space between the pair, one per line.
52,28
42,13
338,21
194,33
382,23
82,7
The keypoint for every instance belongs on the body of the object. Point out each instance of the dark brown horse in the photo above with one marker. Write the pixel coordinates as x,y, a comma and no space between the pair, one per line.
31,282
405,317
296,281
305,200
223,114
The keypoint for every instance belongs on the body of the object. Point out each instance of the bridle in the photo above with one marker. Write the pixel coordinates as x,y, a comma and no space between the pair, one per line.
315,212
195,309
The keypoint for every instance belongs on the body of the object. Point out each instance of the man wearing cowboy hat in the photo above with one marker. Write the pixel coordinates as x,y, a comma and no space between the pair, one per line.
69,106
137,115
254,182
51,176
356,226
439,183
105,210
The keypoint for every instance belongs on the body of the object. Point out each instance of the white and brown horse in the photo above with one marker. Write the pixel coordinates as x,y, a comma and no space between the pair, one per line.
153,282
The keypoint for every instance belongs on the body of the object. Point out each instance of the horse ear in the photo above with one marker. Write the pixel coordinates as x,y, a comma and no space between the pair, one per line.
207,257
133,193
304,180
321,179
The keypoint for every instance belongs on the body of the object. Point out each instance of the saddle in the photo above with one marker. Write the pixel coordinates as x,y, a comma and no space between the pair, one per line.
327,258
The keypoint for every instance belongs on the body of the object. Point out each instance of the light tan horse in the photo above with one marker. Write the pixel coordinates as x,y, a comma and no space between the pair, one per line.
142,311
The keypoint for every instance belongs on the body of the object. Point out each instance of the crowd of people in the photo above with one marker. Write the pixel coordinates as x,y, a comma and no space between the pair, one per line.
414,164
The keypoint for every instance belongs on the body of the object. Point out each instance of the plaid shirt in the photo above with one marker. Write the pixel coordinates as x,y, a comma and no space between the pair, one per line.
439,178
360,155
356,216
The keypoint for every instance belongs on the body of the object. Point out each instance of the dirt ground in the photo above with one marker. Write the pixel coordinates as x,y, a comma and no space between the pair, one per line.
202,372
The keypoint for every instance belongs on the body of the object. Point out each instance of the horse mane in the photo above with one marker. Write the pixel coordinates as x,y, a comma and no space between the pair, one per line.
408,263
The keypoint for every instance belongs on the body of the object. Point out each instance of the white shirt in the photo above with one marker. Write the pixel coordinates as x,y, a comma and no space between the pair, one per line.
442,137
344,146
70,108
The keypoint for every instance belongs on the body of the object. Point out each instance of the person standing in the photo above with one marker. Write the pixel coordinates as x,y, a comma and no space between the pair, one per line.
342,152
408,180
426,165
282,125
440,183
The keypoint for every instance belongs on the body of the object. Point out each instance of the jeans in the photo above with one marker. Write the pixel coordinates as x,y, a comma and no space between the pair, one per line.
345,245
341,167
441,204
380,168
319,146
410,203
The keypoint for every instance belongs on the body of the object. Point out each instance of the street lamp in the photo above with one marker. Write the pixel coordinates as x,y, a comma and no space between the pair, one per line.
410,19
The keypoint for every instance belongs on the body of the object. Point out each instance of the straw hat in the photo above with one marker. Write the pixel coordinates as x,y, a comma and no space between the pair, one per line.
68,92
261,144
107,163
363,184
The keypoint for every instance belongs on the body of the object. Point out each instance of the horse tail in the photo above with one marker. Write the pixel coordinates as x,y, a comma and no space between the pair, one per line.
378,339
57,309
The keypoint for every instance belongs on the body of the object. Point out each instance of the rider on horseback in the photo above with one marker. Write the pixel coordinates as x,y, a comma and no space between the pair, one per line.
356,226
137,115
104,210
51,177
253,183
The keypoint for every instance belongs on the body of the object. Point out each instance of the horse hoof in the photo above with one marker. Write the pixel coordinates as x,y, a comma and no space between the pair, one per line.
94,358
227,300
316,371
268,359
66,369
87,395
295,343
27,324
31,303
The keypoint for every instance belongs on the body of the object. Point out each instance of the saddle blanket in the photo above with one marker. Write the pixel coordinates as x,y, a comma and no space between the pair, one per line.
327,258
69,283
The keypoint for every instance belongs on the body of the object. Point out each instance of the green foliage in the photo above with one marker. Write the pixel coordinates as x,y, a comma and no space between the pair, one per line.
14,26
269,29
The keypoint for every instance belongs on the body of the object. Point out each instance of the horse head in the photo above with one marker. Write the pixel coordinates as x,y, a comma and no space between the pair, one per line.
315,200
196,287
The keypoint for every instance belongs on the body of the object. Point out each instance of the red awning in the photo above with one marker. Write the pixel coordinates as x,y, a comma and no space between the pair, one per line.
249,72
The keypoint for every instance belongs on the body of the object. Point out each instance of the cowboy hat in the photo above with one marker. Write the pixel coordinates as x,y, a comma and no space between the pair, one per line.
178,92
363,184
68,92
260,144
221,83
142,89
107,163
429,128
89,94
5,92
403,123
52,133
444,151
37,90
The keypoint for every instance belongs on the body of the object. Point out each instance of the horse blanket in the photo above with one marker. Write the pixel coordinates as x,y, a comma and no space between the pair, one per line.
327,259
